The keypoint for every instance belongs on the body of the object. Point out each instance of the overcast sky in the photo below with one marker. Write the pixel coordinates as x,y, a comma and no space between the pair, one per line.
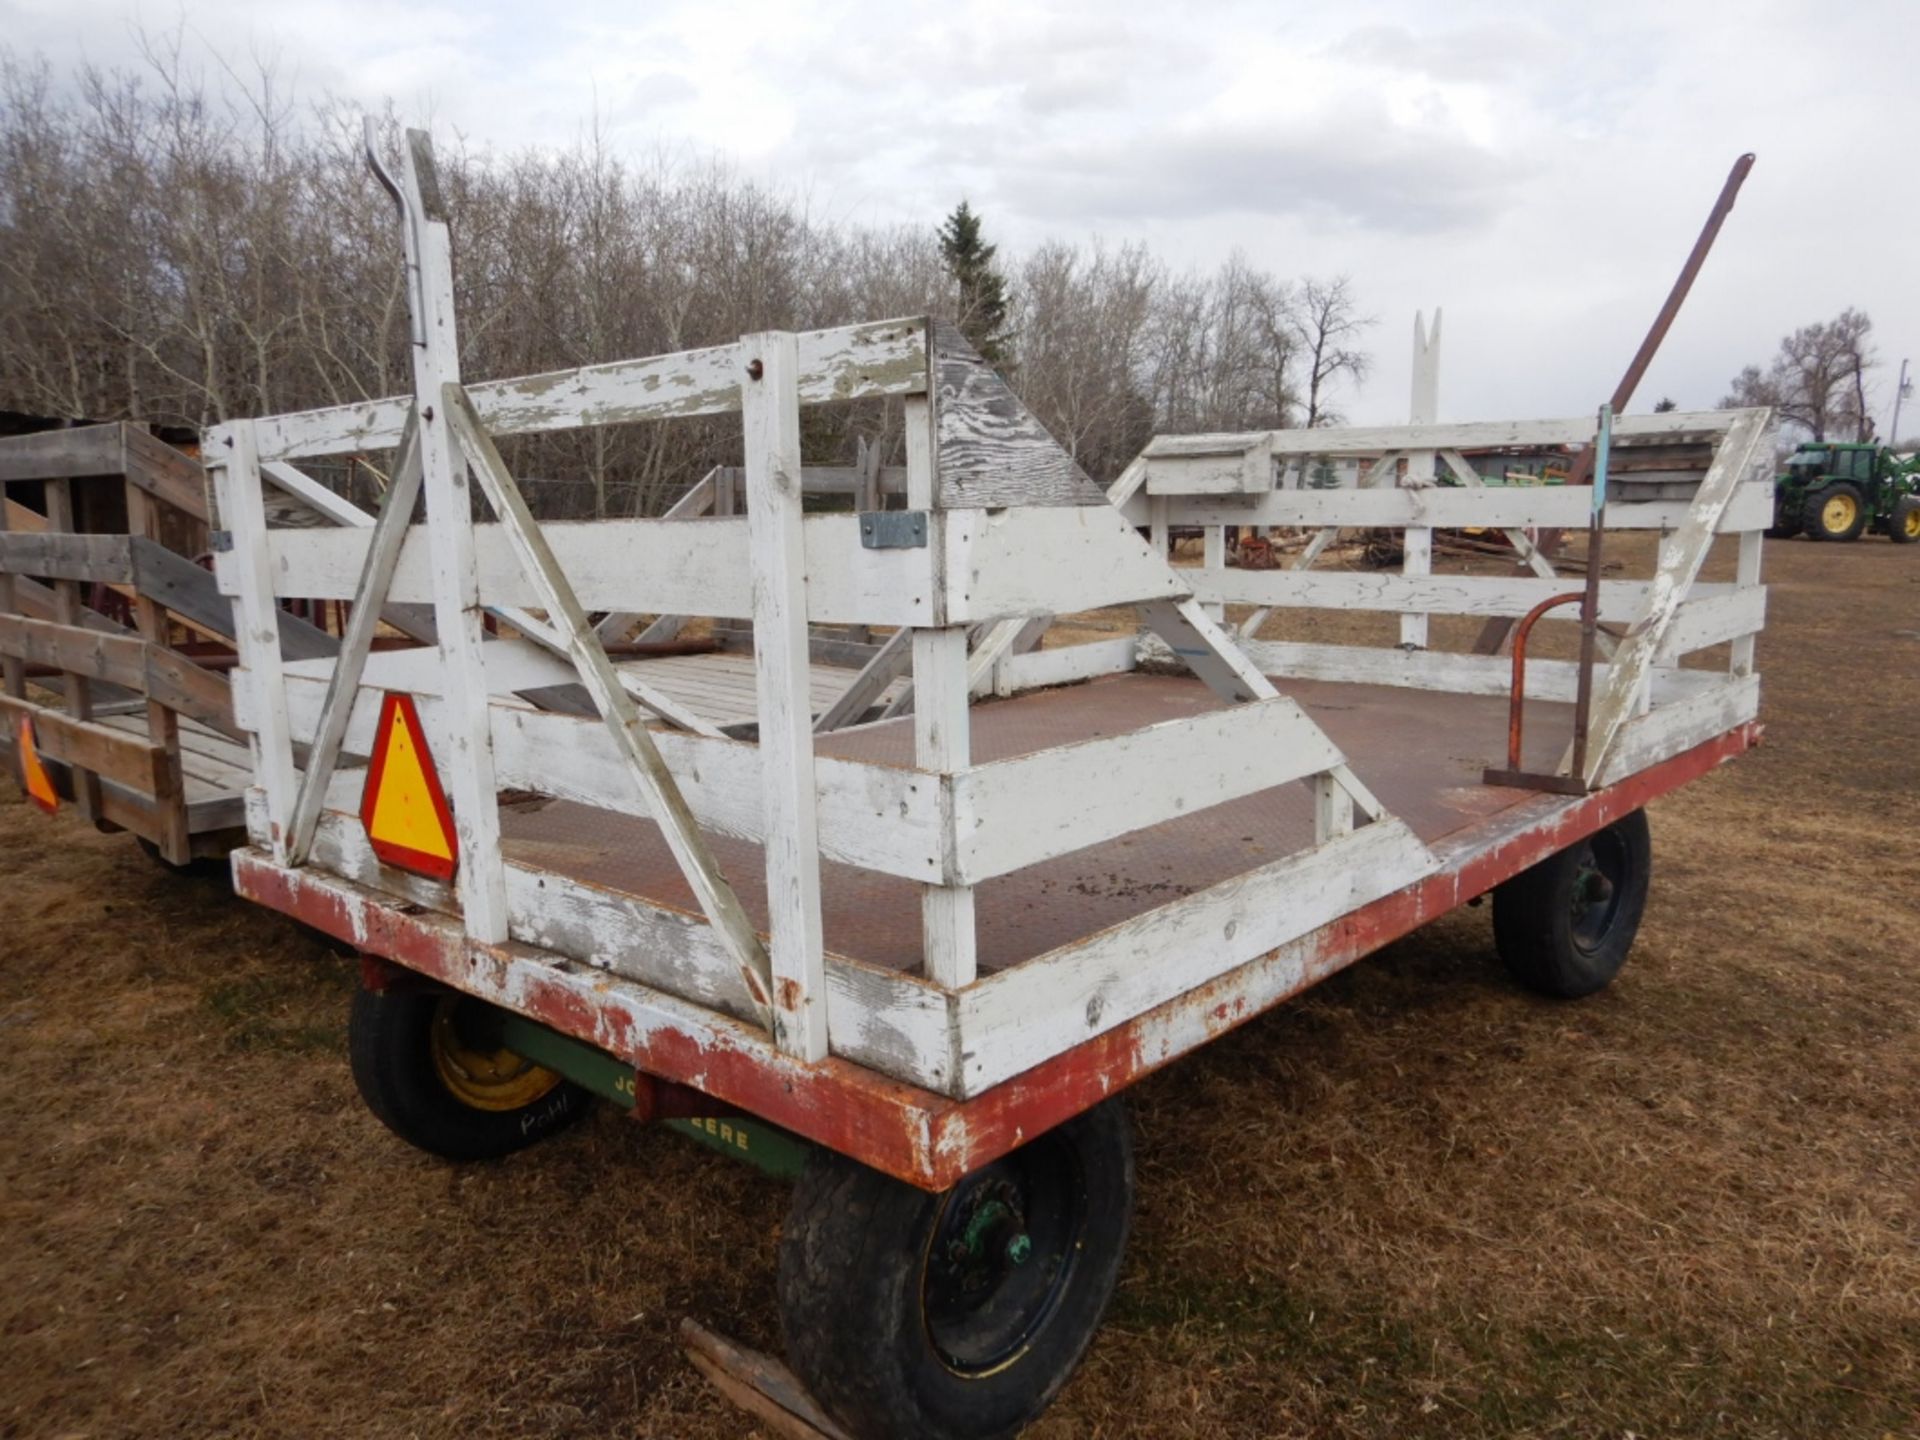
1539,170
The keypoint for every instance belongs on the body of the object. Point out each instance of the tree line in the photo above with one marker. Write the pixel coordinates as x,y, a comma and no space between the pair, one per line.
173,253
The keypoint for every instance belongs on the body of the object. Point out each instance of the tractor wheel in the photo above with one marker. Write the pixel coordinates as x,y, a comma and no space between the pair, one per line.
1564,927
1835,512
956,1316
431,1069
1904,526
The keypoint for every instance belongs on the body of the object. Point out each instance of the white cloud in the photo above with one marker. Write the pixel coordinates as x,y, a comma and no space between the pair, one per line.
1539,170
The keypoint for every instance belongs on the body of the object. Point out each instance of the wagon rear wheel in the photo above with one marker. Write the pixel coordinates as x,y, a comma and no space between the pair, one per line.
955,1316
430,1066
1564,927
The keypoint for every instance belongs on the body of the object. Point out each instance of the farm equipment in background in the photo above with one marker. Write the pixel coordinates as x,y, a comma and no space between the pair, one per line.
1840,492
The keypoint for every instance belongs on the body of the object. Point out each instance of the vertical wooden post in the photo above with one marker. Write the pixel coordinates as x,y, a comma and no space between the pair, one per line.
1332,809
66,609
13,670
770,417
867,496
942,740
234,460
1746,575
1214,557
163,726
1417,542
457,610
942,743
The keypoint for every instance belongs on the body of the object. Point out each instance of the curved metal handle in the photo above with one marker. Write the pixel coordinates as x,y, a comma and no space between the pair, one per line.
409,241
371,138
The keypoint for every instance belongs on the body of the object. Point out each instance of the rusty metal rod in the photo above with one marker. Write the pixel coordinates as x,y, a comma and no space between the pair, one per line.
1494,633
1516,705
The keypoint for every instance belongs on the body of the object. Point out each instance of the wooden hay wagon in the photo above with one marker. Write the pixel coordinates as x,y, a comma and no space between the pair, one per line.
933,935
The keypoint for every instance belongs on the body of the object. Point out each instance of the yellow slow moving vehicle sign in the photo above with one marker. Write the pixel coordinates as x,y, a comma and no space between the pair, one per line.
403,807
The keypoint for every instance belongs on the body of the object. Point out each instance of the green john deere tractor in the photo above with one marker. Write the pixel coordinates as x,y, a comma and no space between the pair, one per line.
1839,492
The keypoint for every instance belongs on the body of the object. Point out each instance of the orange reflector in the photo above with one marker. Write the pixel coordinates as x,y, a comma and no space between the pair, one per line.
32,773
403,807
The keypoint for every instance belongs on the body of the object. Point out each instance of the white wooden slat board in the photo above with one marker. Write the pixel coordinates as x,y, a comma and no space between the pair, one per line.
720,687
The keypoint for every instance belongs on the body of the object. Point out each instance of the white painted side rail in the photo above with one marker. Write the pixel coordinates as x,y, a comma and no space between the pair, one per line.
697,567
887,357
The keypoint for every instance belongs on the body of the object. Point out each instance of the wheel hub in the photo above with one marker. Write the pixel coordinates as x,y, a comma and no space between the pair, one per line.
476,1069
999,1258
1596,891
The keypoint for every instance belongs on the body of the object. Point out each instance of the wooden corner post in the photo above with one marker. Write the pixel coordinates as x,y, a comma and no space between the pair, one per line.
457,613
233,458
942,738
770,418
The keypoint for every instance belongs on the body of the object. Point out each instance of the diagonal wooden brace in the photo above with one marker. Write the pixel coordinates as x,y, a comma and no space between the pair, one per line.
343,685
602,683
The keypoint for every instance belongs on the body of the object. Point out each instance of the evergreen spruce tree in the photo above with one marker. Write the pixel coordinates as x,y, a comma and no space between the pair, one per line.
983,291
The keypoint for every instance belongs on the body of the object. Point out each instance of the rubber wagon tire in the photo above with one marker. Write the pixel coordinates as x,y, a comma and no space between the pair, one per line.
1903,527
1835,512
908,1313
425,1067
1564,927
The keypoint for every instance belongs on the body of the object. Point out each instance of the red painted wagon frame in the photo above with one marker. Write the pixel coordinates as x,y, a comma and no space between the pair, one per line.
913,1134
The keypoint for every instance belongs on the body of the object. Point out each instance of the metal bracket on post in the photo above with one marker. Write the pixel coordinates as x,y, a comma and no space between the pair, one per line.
894,530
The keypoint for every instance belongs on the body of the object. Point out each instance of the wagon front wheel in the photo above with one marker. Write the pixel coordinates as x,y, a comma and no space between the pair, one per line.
1564,926
955,1316
430,1065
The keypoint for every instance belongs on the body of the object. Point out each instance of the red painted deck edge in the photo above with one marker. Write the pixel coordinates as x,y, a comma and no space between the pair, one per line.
910,1133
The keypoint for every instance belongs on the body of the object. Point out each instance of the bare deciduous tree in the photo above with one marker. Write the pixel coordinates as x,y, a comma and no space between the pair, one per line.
183,251
1817,380
1329,325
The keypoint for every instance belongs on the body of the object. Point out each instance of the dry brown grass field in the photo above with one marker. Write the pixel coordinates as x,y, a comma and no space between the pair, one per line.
1416,1203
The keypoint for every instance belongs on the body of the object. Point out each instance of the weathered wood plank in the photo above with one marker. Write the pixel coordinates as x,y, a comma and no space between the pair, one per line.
990,450
639,755
197,596
116,659
895,1023
1440,594
770,420
1746,452
1492,434
1067,665
175,480
1018,812
1048,560
1679,725
129,760
681,567
887,357
55,555
56,454
1019,1017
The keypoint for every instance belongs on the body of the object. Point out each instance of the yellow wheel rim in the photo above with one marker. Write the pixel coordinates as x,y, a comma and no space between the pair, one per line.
483,1079
1837,514
1911,524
